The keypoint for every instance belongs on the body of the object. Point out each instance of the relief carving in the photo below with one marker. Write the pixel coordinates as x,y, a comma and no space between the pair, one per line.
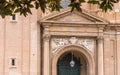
46,37
56,43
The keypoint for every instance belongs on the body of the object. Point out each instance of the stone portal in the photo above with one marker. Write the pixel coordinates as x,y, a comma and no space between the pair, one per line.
71,63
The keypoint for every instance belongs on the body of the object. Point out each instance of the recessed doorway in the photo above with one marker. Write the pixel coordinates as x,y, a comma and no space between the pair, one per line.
72,63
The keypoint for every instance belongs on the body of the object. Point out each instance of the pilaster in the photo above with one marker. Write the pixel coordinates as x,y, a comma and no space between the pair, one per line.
100,52
46,51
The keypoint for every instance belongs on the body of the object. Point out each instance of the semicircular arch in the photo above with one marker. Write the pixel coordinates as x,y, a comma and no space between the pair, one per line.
88,57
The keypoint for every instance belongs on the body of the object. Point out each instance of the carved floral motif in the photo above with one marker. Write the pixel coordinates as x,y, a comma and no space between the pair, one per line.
56,43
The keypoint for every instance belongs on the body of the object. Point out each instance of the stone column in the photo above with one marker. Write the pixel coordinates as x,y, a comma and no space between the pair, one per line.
46,55
100,56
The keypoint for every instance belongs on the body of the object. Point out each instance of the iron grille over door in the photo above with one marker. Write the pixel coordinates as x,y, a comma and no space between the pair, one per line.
64,68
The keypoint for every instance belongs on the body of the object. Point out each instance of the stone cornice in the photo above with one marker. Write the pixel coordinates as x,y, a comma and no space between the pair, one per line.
93,24
113,27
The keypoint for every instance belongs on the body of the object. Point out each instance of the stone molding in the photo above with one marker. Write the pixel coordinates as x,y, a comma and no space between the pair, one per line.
56,43
89,57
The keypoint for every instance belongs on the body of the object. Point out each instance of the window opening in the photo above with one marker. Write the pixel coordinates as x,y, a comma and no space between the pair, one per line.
13,17
13,62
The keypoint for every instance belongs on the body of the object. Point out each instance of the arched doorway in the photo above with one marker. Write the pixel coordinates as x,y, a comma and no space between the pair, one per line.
71,63
86,58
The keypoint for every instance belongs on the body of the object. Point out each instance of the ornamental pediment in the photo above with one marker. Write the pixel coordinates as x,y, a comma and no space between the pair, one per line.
66,16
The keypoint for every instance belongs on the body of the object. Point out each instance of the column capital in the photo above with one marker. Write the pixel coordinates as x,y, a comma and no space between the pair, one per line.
101,27
46,37
100,37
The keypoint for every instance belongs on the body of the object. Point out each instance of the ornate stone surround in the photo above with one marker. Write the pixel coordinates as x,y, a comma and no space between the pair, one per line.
87,43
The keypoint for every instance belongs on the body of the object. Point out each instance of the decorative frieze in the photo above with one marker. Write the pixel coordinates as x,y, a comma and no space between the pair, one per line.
56,43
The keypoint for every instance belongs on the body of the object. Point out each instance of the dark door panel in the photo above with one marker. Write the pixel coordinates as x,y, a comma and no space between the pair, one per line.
64,68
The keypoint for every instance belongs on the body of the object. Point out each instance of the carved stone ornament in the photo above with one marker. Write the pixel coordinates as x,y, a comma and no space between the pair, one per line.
56,43
46,37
